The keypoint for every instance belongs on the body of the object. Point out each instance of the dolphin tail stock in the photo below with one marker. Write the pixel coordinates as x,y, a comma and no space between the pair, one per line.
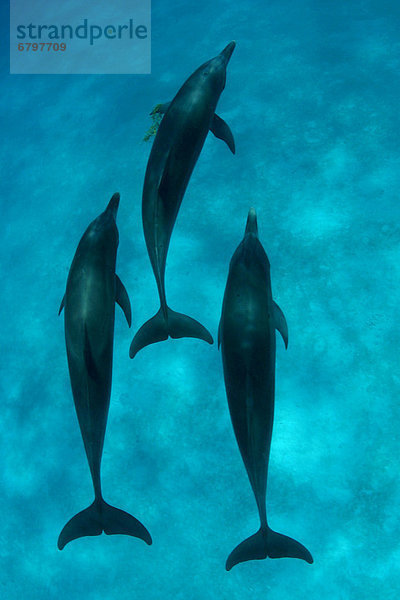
159,328
267,542
99,517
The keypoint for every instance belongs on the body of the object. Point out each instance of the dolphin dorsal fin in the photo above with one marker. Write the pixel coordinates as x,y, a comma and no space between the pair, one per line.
62,305
280,323
222,131
122,298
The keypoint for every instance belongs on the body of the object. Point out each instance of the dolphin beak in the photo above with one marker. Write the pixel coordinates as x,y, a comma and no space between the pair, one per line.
251,225
112,206
227,52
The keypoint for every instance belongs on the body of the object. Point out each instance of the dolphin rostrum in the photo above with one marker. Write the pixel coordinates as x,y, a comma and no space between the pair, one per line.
247,339
176,148
89,302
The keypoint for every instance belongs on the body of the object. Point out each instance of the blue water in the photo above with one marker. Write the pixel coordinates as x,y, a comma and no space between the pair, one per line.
312,100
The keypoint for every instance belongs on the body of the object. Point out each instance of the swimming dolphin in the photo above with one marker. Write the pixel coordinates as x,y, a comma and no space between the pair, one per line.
89,301
176,148
247,338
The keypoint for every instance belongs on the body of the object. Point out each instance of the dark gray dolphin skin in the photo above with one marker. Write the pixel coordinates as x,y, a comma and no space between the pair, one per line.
89,301
176,148
247,339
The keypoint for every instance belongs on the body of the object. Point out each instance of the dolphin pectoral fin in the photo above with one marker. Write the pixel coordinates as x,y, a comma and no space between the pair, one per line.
89,360
62,305
180,326
122,298
222,131
99,517
280,323
267,542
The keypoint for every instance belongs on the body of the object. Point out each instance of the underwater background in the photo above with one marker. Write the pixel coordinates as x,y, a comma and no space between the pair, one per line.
312,99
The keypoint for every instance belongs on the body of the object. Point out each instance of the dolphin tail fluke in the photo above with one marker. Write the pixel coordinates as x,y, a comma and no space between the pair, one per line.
86,522
158,329
99,517
153,331
116,520
267,543
180,326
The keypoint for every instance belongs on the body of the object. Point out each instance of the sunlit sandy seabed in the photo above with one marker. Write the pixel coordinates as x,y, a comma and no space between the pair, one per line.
312,99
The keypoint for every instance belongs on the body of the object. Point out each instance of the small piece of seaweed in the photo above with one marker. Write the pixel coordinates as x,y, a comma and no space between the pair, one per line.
156,117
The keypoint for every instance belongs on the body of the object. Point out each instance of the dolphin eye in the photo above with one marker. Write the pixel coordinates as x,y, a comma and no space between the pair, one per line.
205,73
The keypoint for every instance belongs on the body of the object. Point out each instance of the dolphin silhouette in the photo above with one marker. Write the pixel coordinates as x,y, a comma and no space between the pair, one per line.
89,301
247,339
176,148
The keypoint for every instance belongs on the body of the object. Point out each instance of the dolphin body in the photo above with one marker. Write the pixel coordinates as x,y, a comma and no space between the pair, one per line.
247,339
89,301
176,148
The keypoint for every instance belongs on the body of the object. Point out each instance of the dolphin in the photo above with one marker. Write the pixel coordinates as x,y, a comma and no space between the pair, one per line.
247,338
89,301
176,148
